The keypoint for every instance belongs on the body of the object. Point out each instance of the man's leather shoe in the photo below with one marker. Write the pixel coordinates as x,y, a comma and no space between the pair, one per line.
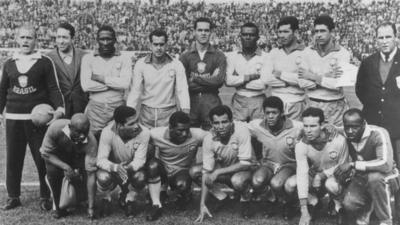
57,214
12,203
154,213
45,204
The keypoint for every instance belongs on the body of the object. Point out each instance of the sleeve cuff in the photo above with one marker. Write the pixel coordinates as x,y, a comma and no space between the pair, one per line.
114,167
245,162
360,165
61,109
203,171
326,173
106,80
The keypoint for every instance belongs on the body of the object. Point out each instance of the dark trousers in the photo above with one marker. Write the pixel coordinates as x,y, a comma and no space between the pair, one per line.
200,106
371,188
396,156
19,133
55,177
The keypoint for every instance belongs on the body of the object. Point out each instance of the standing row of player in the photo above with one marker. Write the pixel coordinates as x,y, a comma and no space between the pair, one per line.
161,85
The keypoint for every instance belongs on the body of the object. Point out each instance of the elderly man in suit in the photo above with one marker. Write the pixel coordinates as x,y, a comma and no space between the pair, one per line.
378,87
67,61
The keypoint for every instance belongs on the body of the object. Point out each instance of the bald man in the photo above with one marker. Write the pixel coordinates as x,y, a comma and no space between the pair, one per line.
70,151
28,79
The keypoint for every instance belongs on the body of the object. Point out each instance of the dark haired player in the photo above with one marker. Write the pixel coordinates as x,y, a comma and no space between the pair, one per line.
205,71
105,75
159,83
177,145
67,60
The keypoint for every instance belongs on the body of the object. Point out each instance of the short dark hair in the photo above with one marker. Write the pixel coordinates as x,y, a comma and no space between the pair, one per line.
273,102
354,111
67,26
387,24
252,25
203,19
314,112
121,113
219,111
158,33
289,20
325,20
107,28
178,117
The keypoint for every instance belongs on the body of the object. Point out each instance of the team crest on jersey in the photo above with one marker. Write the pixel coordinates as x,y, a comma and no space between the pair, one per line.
135,145
290,142
192,148
201,67
172,72
333,155
23,81
235,146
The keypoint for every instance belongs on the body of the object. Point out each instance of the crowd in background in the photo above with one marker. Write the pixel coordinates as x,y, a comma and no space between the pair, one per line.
133,21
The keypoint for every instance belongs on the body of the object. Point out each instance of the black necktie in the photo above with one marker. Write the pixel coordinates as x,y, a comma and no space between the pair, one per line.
386,57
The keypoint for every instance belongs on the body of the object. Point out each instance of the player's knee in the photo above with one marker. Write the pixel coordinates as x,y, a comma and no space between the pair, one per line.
153,169
277,184
104,180
195,172
258,181
183,185
239,181
138,180
332,186
290,184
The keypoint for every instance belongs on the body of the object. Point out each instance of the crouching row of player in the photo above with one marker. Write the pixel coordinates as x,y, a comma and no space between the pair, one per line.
310,157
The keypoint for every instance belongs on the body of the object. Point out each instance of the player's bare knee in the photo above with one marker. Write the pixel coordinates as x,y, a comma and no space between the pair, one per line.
195,172
139,180
104,180
277,184
153,169
239,181
290,184
258,181
333,186
183,184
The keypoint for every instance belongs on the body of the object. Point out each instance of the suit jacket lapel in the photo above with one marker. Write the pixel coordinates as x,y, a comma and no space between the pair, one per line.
395,66
375,67
77,62
58,61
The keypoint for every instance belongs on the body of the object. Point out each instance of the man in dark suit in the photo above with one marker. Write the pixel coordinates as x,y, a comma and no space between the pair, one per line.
67,60
378,87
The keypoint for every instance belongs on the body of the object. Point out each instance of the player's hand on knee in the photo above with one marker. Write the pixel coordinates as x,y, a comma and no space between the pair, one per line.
318,179
121,171
203,212
70,173
342,169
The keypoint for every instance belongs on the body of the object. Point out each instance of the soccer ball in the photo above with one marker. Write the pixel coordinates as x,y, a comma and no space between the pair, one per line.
40,115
